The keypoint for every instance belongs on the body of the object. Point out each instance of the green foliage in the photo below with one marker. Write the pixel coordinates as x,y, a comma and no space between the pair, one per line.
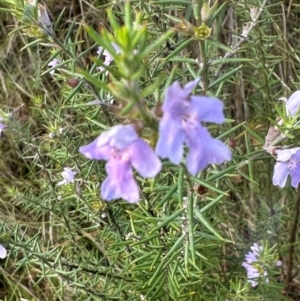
187,237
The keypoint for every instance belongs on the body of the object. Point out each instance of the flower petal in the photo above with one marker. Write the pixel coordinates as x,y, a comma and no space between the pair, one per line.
293,104
93,151
53,64
175,93
120,182
190,86
2,126
280,175
143,159
204,150
3,252
209,109
120,136
295,175
68,174
171,139
286,154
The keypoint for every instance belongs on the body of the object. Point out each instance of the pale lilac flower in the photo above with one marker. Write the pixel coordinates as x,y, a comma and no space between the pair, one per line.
52,64
2,126
278,263
181,124
293,104
108,56
252,265
288,163
3,252
122,148
68,176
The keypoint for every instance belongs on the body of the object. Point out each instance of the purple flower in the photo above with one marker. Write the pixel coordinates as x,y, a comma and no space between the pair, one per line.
293,104
53,64
181,124
108,56
288,163
122,148
2,126
68,174
3,252
253,267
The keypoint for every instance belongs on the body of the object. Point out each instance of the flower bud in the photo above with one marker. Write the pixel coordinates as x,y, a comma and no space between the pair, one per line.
185,27
72,82
207,11
202,32
42,14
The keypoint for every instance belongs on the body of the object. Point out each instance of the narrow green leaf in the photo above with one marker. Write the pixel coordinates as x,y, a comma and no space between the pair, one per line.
206,224
224,77
157,43
230,60
211,204
92,79
180,185
167,196
216,43
167,220
190,214
178,48
171,2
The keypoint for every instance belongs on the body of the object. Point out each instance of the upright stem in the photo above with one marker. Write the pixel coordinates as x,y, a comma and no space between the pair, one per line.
203,62
289,276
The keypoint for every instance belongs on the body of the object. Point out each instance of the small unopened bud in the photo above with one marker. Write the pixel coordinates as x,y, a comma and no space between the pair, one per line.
232,143
202,32
185,27
43,17
72,82
103,215
200,189
52,135
207,11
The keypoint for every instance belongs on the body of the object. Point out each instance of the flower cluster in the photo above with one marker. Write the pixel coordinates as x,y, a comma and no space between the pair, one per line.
180,125
254,265
288,160
122,148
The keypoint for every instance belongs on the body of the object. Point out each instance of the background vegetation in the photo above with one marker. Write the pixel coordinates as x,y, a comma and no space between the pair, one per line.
187,238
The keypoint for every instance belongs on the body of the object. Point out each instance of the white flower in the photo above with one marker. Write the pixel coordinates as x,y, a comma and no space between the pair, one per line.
53,63
3,252
108,57
68,175
254,268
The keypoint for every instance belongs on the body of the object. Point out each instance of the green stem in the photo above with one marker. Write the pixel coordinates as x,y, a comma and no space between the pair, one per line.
203,61
289,274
